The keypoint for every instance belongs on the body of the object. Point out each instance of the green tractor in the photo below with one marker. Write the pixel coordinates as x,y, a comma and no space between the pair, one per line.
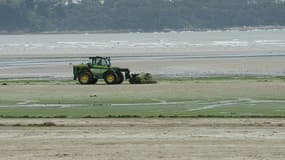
100,68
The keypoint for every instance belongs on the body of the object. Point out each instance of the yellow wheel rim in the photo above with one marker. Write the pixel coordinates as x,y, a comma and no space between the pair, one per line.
110,78
84,78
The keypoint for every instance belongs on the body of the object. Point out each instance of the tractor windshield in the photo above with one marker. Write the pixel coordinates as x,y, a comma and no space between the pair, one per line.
108,62
101,61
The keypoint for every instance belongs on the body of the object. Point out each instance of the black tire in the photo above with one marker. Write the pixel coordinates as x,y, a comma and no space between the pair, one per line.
95,81
120,78
110,77
85,78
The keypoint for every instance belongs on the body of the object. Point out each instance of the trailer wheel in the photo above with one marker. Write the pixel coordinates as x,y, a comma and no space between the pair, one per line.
85,78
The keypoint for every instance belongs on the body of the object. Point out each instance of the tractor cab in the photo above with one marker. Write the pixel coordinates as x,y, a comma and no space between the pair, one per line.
100,61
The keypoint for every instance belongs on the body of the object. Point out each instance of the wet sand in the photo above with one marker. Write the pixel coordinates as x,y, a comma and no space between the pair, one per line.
213,53
162,65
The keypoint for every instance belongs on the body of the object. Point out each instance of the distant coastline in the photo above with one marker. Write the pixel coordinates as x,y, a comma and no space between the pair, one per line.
109,31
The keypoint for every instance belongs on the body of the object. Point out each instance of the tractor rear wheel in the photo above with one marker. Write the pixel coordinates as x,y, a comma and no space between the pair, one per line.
110,78
85,78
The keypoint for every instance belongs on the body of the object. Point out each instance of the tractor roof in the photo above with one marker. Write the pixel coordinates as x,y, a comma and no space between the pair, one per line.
99,57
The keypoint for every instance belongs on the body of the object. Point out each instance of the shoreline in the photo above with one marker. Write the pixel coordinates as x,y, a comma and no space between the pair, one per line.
158,66
161,78
241,28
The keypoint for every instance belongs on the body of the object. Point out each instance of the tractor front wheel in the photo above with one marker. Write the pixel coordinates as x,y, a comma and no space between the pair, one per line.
85,78
110,78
